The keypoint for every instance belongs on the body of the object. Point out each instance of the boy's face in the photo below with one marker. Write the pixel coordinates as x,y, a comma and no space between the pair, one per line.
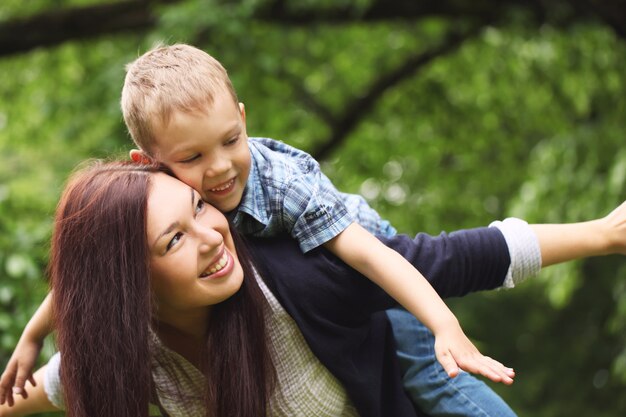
208,152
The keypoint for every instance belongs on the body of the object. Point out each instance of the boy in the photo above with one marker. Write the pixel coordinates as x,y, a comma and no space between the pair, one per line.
181,109
268,187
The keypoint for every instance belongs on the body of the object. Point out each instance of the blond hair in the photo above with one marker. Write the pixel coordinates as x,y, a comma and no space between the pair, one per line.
167,79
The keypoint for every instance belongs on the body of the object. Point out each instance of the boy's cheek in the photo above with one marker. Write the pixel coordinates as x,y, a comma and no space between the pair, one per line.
191,177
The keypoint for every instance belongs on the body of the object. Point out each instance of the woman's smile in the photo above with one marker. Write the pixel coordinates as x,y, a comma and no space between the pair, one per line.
222,267
194,262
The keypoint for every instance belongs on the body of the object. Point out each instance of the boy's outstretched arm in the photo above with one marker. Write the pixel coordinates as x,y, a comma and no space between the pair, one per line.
20,367
36,402
565,242
365,253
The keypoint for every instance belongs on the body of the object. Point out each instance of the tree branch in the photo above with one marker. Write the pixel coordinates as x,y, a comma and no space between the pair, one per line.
611,12
284,13
359,107
306,98
55,27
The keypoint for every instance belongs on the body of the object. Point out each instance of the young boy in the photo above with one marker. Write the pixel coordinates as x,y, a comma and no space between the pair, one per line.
181,109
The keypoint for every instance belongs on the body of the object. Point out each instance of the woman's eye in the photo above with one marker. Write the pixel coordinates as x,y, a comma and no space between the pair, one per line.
174,241
200,206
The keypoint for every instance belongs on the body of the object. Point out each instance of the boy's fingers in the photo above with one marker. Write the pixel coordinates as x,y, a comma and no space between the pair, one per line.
24,373
494,370
508,373
10,399
6,381
20,383
449,364
20,386
3,394
20,391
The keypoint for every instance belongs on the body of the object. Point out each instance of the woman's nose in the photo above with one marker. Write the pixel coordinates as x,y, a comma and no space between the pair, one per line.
208,238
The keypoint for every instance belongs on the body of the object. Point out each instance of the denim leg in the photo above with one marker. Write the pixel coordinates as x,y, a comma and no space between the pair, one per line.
428,384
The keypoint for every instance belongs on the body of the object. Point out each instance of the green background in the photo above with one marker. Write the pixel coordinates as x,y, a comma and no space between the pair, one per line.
442,121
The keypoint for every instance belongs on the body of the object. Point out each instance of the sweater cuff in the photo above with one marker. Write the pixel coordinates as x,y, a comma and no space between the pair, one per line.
524,250
52,382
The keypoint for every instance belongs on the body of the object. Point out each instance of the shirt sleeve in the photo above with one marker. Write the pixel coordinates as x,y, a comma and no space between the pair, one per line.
460,262
313,209
454,264
52,381
524,250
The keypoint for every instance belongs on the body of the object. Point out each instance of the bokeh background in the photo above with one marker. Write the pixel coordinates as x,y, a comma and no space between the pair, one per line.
444,115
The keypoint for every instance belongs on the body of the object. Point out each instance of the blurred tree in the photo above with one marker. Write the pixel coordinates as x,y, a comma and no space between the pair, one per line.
443,114
53,26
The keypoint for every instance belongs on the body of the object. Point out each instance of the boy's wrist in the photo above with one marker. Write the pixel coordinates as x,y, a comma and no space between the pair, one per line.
609,236
597,237
31,337
444,324
36,331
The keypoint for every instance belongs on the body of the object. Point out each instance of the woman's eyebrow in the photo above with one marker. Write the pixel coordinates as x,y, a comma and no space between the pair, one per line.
176,224
167,231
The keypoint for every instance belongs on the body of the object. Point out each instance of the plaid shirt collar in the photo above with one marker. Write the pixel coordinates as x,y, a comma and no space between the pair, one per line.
253,203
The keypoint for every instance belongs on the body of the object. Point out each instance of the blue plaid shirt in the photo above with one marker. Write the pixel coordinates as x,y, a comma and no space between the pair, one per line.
288,193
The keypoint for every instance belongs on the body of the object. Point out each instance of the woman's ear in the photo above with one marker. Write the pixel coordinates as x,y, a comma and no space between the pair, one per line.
139,157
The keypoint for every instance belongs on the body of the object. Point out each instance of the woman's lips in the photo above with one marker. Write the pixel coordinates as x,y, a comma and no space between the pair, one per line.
221,267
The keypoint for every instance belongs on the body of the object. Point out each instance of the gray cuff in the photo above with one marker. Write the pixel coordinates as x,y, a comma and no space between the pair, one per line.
52,381
524,250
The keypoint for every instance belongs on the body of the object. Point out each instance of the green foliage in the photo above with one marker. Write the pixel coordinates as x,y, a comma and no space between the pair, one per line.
525,122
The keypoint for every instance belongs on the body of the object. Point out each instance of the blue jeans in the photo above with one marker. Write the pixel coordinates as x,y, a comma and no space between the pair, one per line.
427,383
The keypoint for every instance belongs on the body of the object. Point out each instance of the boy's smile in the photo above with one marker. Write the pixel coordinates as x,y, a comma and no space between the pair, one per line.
208,150
224,188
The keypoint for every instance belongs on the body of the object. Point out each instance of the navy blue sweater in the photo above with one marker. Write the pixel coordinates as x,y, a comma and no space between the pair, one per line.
341,313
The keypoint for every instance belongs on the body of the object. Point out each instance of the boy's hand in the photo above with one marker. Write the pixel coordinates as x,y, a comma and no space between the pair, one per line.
19,369
615,224
454,350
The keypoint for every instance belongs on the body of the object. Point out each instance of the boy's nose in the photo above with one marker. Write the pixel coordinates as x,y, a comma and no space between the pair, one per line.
218,167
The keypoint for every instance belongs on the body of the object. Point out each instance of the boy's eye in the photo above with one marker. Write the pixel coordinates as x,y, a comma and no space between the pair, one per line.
232,141
174,241
190,159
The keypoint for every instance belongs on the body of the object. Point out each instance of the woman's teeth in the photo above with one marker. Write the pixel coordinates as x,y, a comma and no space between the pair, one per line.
216,266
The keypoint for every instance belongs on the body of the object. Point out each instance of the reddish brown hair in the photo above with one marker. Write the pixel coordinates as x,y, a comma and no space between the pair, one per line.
100,275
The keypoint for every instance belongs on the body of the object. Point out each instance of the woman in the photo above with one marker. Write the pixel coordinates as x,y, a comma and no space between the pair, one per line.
142,268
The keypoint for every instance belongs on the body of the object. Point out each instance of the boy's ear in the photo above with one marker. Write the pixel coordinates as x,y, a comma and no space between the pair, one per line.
139,157
242,110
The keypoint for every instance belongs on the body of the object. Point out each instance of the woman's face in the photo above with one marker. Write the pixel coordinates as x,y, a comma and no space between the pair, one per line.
192,256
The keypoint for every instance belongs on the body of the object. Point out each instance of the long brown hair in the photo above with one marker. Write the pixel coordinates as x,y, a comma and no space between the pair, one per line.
102,303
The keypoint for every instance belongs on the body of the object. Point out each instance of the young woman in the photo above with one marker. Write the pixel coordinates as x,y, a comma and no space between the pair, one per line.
156,303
